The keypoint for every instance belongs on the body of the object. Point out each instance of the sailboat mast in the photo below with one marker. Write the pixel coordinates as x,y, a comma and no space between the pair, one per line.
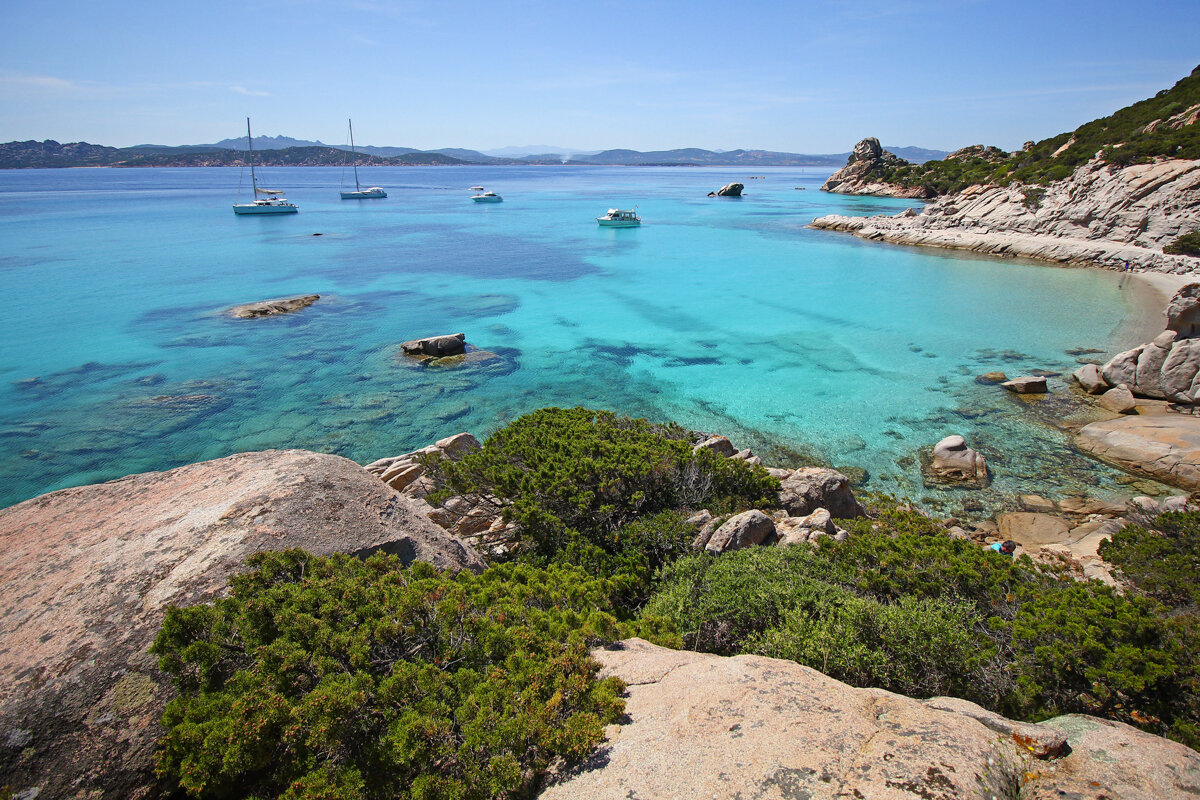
250,144
354,156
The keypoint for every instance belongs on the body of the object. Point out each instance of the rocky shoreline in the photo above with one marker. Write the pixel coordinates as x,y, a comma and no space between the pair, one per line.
1099,217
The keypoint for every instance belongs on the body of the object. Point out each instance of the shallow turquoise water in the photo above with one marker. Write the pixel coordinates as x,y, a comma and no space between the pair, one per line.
724,315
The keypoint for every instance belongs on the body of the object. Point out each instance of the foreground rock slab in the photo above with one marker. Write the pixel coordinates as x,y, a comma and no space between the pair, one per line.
87,572
702,726
1162,446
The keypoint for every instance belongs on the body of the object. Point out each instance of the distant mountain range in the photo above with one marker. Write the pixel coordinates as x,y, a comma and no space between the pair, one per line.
286,151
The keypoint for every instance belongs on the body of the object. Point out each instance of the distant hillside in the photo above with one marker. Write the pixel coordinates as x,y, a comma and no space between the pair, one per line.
31,154
1161,126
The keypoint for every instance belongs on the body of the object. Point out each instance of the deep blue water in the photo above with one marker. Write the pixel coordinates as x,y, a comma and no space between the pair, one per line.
724,315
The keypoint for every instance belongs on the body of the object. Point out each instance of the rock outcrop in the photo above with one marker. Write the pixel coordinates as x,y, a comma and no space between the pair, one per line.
809,488
1163,446
452,344
701,726
747,529
862,173
728,190
87,573
952,461
271,308
1099,216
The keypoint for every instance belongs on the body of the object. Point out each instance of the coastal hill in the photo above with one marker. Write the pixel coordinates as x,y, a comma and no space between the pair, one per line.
1163,126
1121,190
286,151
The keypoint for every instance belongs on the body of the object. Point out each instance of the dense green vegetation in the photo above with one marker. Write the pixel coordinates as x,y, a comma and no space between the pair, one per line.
339,678
1129,136
902,606
1186,245
600,489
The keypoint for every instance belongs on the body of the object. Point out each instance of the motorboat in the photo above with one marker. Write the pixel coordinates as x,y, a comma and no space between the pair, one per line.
487,197
477,189
359,193
615,218
266,201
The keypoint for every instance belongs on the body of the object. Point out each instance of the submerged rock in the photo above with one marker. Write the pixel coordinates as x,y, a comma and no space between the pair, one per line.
1028,384
953,461
700,726
271,308
89,571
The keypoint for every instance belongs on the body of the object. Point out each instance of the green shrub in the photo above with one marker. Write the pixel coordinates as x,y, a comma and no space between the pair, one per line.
903,606
1186,245
564,474
1164,562
338,678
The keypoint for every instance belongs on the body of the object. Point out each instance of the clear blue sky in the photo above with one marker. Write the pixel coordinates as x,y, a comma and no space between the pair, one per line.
799,76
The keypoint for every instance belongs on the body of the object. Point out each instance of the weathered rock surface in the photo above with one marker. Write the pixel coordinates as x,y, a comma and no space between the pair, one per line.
1027,384
1031,530
437,346
1090,379
1163,446
1099,216
718,444
861,173
730,190
87,573
702,726
954,461
270,308
747,529
1119,400
810,488
1167,368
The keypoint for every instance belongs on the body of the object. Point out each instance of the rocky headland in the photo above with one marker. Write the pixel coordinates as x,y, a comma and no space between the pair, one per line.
861,175
1101,216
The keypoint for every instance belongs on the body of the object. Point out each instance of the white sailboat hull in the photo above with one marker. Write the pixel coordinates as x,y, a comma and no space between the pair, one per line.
364,194
265,208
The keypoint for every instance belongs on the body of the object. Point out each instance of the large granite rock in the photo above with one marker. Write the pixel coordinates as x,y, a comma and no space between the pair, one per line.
87,573
1183,312
810,488
451,344
1099,216
1162,446
730,190
747,529
1167,368
954,462
701,726
862,173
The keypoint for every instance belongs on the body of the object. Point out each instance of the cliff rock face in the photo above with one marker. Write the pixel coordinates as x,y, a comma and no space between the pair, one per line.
704,726
861,175
1100,215
87,572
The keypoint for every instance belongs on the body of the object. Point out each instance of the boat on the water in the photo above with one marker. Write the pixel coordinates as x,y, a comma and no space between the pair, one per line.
616,218
477,189
266,201
487,197
359,193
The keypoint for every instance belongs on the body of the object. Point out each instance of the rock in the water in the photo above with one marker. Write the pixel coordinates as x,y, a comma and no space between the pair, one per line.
1163,446
1028,384
991,378
1119,400
88,572
954,461
810,488
730,190
270,308
437,346
742,530
702,726
1090,379
718,444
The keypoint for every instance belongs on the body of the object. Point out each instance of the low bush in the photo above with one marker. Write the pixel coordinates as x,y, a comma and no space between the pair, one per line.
572,477
338,678
903,606
1186,245
1164,562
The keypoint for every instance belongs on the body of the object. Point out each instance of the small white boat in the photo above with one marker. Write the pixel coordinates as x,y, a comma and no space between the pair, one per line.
616,218
359,193
487,197
266,201
477,189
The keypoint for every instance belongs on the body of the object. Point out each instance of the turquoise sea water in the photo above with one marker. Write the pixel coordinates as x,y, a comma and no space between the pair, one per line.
724,315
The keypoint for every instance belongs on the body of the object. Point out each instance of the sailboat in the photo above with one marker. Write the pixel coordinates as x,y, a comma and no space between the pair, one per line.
359,193
266,201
